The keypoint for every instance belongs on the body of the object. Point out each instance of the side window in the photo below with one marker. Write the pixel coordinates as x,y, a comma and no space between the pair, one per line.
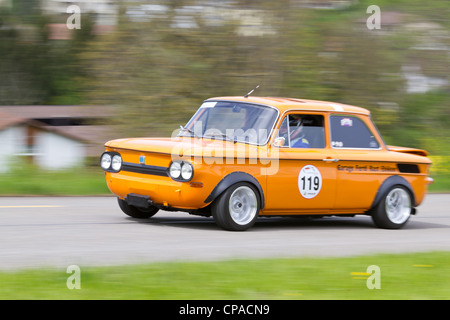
284,132
351,132
306,131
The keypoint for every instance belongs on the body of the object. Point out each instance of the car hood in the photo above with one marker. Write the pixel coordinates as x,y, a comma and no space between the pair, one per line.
186,146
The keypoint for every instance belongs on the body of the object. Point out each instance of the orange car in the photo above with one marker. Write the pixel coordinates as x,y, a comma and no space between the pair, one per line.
243,157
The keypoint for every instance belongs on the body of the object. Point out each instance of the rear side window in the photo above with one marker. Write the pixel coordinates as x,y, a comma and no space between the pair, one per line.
351,132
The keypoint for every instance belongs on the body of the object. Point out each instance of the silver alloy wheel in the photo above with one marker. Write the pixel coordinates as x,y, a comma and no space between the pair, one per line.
243,205
398,205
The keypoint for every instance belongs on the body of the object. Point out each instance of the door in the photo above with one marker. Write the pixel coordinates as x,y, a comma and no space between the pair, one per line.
361,169
305,181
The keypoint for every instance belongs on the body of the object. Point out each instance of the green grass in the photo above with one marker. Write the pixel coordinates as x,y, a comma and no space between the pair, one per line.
27,180
440,172
405,276
441,183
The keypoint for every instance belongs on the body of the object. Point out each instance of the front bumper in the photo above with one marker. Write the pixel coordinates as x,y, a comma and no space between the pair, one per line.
162,190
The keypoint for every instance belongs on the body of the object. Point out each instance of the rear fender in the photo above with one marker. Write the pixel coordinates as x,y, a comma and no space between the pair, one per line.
389,183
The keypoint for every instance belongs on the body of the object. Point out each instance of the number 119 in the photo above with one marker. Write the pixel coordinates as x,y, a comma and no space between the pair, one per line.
312,183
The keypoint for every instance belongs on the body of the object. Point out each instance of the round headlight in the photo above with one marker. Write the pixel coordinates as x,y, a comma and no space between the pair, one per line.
116,162
105,161
186,171
175,170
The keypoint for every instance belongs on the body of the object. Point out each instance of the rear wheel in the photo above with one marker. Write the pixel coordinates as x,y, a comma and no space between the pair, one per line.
237,208
394,209
135,212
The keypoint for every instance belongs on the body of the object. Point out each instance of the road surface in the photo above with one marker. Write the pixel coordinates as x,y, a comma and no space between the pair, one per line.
87,231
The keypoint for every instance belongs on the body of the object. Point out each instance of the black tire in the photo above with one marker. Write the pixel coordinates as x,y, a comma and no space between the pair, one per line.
394,209
135,212
237,208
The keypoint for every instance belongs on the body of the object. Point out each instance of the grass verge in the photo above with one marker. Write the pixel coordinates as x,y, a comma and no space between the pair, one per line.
441,183
404,276
28,180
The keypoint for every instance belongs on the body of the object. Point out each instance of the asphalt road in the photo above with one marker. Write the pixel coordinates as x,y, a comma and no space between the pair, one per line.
86,231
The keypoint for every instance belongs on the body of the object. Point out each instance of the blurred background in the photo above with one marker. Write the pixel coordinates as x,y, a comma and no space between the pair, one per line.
142,68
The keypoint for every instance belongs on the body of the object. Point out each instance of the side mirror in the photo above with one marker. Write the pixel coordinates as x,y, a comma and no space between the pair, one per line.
279,142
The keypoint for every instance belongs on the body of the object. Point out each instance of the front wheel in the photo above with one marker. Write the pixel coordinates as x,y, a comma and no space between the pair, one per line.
237,208
136,212
394,209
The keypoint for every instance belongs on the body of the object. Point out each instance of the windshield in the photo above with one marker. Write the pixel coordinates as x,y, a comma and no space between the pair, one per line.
235,121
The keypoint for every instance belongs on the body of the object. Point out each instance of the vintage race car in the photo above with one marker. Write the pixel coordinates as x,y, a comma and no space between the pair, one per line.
243,157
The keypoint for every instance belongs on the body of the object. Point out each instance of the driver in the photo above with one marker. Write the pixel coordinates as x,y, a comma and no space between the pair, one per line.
297,134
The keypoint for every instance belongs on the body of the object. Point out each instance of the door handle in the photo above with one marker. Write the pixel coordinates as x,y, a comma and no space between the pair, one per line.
330,160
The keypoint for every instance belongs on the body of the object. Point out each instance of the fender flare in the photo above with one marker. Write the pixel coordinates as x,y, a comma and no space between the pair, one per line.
389,183
231,179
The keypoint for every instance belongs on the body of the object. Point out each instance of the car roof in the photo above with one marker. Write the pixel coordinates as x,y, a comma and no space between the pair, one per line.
285,104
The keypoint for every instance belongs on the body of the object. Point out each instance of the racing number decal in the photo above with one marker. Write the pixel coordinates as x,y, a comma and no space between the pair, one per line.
309,181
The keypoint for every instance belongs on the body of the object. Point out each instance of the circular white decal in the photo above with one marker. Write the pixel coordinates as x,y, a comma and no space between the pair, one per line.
309,181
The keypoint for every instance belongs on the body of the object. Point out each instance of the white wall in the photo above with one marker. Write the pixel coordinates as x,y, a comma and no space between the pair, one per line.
50,150
13,141
57,152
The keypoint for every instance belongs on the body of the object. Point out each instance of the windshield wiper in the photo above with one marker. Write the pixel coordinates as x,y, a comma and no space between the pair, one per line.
188,130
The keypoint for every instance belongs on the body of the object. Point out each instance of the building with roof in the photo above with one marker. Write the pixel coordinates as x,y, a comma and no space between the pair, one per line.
51,137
